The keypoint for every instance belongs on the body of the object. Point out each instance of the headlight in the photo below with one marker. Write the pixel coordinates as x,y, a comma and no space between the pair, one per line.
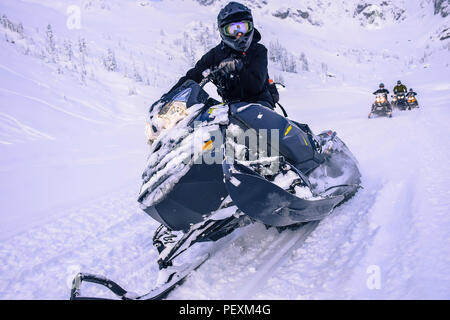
383,99
377,99
172,113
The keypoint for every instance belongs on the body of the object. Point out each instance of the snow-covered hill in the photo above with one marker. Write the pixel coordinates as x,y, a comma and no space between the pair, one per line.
75,85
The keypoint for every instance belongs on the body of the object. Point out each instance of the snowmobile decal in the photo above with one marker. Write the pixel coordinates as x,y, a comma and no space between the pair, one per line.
287,131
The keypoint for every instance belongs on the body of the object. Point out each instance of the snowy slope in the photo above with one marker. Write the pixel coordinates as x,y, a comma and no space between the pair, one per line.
72,146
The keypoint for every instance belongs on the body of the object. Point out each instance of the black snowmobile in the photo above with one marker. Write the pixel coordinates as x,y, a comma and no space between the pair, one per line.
399,101
381,107
206,176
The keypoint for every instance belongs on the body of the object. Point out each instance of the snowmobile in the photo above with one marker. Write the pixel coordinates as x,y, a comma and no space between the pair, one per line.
399,101
412,102
381,106
206,177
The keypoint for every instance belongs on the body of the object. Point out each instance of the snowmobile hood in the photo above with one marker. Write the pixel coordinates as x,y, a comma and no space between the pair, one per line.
172,154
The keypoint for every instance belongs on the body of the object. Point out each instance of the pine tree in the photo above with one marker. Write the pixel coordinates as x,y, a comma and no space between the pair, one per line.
4,21
20,30
305,65
50,41
68,49
110,61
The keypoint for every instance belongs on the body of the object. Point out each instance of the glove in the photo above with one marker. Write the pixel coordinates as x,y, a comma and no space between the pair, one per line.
231,65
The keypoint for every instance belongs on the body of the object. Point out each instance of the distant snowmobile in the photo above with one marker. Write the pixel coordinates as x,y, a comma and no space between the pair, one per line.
399,101
204,181
381,106
412,100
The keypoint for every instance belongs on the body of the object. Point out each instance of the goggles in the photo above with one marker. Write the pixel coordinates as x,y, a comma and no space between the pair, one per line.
234,28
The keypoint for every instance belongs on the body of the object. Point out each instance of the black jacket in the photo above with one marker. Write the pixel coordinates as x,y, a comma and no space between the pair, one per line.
251,85
385,91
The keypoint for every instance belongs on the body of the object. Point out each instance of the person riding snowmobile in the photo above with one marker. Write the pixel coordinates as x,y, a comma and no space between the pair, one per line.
412,101
411,93
206,202
243,77
244,60
382,90
399,88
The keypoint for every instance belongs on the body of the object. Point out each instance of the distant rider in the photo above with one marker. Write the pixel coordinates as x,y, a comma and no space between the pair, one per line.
411,93
400,88
385,92
382,90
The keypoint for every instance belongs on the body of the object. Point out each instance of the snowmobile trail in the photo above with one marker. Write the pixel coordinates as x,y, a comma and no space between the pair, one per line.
102,236
278,254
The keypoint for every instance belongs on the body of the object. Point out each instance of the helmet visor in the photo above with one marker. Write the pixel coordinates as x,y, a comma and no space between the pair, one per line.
234,28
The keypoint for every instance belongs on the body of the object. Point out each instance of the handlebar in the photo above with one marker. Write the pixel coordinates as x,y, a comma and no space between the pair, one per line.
211,76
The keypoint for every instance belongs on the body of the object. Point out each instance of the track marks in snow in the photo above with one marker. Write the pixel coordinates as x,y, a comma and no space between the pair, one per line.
13,131
108,236
329,255
275,258
244,265
45,103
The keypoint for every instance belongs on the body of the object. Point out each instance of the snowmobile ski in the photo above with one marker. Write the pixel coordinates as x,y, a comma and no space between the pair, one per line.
159,293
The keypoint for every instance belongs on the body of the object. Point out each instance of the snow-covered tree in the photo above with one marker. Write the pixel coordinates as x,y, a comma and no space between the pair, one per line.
442,7
50,41
68,50
304,61
110,61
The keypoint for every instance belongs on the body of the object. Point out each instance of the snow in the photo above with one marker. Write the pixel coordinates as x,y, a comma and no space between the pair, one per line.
73,149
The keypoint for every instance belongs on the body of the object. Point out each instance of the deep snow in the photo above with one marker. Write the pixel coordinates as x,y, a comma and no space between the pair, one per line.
73,149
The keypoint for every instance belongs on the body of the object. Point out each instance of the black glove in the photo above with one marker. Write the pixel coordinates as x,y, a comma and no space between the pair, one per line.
231,65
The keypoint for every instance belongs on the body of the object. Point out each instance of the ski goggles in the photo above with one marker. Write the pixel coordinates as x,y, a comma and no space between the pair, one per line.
234,28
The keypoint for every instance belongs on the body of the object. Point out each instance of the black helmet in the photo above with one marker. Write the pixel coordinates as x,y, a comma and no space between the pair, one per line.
399,82
410,89
234,12
381,85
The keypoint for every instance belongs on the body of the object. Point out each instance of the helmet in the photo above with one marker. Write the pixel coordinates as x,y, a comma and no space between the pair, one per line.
411,89
399,82
231,13
381,85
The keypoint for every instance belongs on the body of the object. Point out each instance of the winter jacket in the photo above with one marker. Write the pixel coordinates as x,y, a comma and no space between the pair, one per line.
400,88
385,91
251,84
